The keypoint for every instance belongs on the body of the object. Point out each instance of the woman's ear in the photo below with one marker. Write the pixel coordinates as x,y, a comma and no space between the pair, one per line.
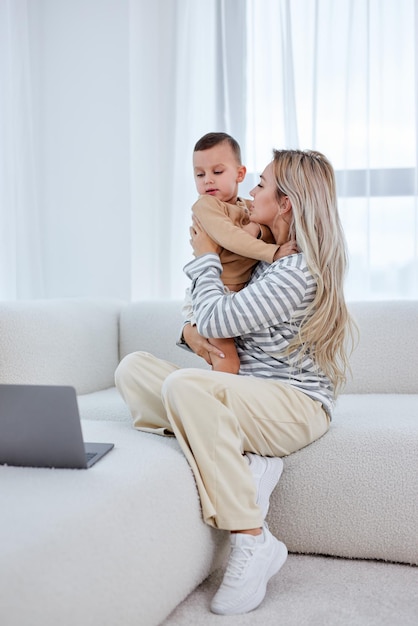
285,205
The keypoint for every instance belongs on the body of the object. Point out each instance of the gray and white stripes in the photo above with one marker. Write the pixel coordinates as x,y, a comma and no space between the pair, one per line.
263,318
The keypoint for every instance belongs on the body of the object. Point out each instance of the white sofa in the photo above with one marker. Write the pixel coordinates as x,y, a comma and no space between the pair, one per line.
123,543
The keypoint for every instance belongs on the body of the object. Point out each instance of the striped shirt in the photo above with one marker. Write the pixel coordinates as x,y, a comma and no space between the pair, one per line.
263,318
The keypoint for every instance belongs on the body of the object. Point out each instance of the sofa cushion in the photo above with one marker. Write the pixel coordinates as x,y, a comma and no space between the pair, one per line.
353,493
124,539
104,405
155,327
386,358
59,342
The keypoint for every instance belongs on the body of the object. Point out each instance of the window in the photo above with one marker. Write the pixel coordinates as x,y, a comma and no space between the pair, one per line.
341,78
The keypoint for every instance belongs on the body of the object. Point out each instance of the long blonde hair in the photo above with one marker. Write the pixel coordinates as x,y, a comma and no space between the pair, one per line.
326,330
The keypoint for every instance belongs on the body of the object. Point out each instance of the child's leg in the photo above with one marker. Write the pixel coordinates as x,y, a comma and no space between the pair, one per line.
230,363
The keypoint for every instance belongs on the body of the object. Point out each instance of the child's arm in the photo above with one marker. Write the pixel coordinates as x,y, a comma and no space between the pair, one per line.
254,230
289,247
212,215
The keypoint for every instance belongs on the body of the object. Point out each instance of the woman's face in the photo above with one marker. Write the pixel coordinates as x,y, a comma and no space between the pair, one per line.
265,206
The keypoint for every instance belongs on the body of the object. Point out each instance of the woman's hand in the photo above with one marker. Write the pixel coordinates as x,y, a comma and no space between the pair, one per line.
200,345
200,240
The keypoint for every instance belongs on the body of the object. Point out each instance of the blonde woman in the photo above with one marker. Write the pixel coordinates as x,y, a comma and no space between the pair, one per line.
291,326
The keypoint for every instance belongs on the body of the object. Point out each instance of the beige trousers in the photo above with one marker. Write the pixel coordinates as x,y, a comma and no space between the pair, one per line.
216,417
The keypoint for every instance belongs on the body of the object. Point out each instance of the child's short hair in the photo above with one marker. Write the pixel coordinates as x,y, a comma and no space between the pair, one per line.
213,139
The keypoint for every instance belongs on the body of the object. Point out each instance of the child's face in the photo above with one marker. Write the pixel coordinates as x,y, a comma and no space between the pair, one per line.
217,172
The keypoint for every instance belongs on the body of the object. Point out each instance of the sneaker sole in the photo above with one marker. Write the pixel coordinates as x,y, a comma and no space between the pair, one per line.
279,559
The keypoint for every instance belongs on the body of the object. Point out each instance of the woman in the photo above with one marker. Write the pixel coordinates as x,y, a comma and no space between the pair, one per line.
291,327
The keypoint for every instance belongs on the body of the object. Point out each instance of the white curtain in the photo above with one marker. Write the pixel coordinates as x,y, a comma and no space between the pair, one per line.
21,263
187,78
341,77
101,102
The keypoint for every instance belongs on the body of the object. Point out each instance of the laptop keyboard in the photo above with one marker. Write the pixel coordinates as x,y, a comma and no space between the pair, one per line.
90,455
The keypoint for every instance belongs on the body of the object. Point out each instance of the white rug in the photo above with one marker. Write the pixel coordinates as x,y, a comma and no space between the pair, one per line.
318,591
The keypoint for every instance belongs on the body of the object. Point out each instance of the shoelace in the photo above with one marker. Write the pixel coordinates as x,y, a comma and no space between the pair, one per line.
238,561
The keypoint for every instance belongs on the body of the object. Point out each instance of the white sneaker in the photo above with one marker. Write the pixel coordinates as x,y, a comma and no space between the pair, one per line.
266,471
252,562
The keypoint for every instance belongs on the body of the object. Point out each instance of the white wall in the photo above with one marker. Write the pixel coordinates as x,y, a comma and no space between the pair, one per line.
80,54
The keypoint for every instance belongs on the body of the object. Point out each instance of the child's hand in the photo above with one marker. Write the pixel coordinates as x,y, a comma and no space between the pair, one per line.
290,247
200,240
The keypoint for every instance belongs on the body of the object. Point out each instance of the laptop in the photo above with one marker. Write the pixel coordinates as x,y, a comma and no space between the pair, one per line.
40,427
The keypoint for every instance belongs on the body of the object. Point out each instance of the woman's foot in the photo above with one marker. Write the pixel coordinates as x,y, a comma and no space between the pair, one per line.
266,471
252,562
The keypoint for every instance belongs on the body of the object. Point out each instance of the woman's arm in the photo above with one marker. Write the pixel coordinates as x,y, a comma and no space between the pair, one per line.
200,345
272,296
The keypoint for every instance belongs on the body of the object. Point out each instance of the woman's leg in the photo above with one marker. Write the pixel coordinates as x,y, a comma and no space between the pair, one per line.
139,379
216,417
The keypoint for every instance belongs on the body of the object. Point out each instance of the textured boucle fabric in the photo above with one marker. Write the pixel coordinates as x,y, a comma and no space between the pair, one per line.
354,492
155,327
59,342
385,329
386,357
120,543
317,591
124,542
104,405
